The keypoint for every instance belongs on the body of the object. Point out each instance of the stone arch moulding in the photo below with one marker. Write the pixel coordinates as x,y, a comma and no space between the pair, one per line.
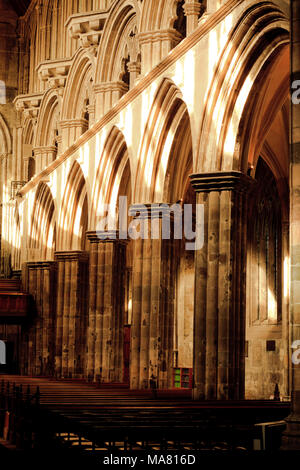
108,176
167,114
113,41
50,102
28,133
5,143
162,17
258,35
120,16
81,72
47,130
42,228
73,216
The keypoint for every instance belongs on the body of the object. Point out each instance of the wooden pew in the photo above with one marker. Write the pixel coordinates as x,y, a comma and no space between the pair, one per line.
110,418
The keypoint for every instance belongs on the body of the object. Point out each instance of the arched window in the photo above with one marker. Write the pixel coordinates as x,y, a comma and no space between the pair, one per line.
265,257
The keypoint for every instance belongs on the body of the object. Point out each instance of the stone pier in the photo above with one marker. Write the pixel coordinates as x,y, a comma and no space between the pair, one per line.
220,269
152,306
106,309
71,313
37,355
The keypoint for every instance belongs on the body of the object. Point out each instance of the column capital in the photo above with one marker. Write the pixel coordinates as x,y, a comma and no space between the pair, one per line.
100,236
154,210
118,86
75,255
192,7
41,264
134,67
221,181
162,35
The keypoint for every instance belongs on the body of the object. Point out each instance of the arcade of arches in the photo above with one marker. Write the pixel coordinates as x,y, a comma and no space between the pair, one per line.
162,102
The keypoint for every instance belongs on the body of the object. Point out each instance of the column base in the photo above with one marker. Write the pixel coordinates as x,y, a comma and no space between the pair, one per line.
291,436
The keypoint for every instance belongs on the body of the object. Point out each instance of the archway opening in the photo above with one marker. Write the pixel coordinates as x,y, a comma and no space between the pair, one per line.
267,342
178,262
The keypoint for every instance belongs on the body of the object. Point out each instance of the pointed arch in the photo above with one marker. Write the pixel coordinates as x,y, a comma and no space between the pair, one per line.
168,120
28,154
176,183
73,218
113,168
48,120
78,87
259,36
43,222
124,17
28,133
162,16
5,137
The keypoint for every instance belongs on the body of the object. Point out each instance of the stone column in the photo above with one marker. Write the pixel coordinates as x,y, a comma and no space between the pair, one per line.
106,95
220,272
152,306
91,111
71,130
71,316
41,284
291,437
44,156
106,308
192,10
155,45
134,69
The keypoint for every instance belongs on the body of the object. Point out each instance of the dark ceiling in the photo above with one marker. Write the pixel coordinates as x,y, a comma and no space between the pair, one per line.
20,6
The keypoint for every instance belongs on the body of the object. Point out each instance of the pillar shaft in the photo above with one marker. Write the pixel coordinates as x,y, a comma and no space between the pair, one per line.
71,319
219,315
41,284
91,336
152,309
192,10
106,309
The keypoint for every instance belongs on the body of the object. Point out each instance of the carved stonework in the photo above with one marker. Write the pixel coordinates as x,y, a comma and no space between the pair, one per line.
29,105
54,72
170,35
87,27
192,10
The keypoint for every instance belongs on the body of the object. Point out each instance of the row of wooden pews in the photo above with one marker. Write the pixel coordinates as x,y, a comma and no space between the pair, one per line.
81,417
